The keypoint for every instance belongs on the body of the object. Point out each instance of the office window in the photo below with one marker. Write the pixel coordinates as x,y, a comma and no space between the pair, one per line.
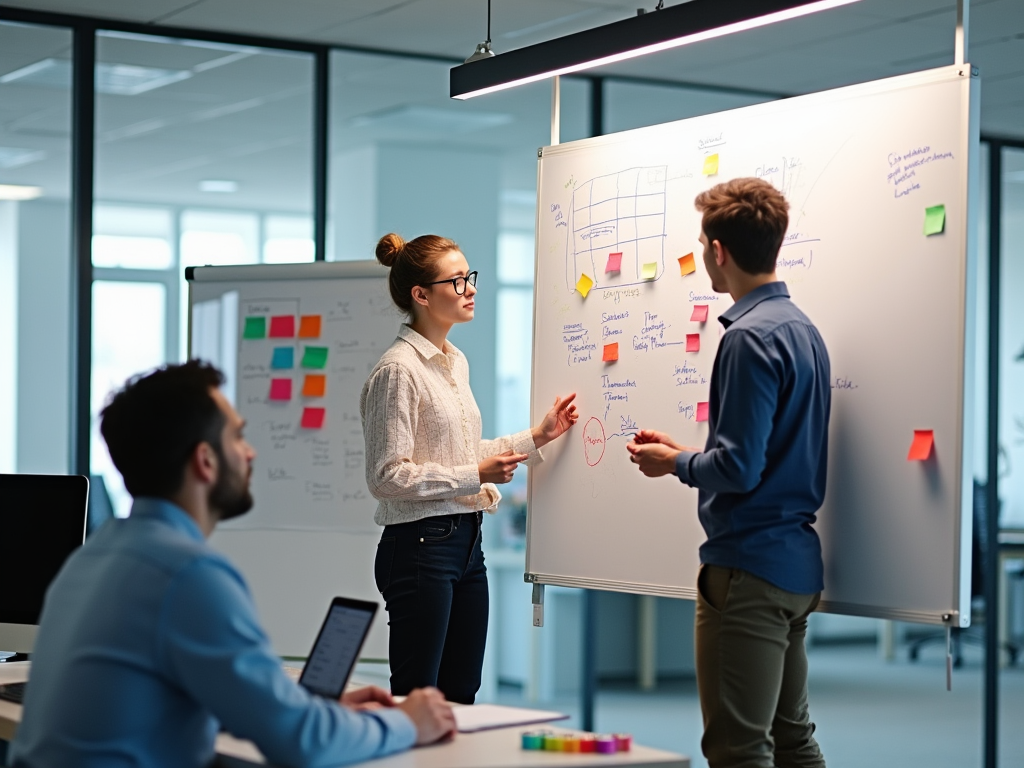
203,156
35,250
1011,342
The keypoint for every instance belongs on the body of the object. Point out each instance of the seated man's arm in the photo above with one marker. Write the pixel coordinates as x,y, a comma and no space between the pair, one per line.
749,388
213,647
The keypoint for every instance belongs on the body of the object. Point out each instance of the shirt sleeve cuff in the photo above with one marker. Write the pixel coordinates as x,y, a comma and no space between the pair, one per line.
468,478
399,731
522,442
683,466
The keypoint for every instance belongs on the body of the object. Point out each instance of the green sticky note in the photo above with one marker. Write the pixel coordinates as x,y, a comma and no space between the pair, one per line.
314,357
255,328
934,219
649,270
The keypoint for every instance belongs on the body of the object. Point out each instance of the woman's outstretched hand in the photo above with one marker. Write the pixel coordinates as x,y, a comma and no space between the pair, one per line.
556,421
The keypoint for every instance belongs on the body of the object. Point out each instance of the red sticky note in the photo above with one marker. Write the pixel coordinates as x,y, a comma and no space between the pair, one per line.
313,418
693,342
921,448
614,263
700,313
280,389
309,327
282,327
611,353
702,411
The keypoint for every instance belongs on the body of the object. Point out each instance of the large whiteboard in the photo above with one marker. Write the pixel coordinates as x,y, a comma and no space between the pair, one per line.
859,166
310,535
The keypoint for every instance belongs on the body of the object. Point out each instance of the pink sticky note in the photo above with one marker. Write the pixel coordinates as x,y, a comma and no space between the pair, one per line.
313,418
282,327
693,342
700,313
614,263
280,389
702,411
921,448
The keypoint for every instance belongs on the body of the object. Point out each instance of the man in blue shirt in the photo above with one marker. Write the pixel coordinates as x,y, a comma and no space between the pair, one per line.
149,641
761,479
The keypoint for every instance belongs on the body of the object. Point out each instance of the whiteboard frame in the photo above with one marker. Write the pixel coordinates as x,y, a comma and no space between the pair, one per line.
958,614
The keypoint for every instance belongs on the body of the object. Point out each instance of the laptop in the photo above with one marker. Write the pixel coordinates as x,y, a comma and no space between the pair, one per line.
337,647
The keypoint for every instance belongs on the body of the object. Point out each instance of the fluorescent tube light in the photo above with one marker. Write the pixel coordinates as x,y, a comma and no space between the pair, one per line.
19,192
670,27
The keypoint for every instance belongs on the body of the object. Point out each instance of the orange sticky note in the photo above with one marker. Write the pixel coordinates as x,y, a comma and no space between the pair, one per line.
315,385
700,313
280,389
693,342
702,411
687,265
611,352
309,327
313,418
614,263
921,448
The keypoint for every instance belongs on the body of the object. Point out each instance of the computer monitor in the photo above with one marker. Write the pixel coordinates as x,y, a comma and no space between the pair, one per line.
42,521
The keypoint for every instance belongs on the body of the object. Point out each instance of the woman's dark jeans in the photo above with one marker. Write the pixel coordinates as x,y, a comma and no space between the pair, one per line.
431,573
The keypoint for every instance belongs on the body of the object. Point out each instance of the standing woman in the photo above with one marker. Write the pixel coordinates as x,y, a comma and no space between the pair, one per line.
433,474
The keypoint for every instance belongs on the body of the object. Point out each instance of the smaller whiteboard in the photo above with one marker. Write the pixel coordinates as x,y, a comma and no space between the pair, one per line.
310,535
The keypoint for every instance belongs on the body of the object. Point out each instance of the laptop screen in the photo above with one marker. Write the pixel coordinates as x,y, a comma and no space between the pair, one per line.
336,649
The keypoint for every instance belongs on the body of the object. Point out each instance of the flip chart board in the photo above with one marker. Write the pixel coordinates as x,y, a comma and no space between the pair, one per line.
296,343
877,254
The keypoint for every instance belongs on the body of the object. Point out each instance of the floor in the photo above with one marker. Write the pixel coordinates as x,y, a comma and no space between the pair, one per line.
869,712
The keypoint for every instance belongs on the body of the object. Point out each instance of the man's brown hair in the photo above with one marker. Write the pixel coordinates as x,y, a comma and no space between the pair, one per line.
749,217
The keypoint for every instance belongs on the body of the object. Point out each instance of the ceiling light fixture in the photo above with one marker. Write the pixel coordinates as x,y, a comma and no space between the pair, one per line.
19,192
218,185
644,33
483,50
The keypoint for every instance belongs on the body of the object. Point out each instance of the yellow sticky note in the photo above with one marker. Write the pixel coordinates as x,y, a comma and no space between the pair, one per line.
649,271
711,165
687,264
583,285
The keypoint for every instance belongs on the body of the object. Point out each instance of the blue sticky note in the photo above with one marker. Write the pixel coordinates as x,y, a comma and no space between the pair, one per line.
284,357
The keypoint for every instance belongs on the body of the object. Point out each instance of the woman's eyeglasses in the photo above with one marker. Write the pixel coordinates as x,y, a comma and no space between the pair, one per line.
459,282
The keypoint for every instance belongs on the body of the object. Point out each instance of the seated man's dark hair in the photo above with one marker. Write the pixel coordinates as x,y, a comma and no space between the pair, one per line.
749,217
154,423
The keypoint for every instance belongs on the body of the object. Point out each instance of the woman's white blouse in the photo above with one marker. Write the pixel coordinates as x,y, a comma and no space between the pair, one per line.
422,430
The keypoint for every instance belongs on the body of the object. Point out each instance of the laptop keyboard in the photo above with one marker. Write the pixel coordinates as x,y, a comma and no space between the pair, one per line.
13,692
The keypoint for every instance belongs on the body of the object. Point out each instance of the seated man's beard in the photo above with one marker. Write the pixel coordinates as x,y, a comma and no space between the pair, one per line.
231,496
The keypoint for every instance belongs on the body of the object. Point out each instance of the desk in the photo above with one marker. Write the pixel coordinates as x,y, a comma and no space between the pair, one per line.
499,748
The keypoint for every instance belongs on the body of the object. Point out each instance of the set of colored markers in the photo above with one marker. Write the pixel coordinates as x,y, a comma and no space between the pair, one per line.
604,744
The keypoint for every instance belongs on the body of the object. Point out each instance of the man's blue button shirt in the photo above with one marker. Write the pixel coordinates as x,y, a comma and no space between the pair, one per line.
761,476
149,640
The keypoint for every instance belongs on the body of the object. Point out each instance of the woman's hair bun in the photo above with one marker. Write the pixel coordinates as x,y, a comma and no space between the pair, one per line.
388,248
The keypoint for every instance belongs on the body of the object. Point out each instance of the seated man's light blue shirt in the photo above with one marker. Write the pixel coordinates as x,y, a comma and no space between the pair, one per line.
149,640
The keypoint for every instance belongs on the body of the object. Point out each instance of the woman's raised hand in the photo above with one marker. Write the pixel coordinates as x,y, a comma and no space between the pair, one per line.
499,469
556,421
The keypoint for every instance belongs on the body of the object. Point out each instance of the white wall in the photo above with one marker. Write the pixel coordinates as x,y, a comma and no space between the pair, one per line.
8,334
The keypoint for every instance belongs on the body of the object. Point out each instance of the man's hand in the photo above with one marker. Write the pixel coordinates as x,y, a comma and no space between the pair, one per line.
431,715
370,697
653,459
650,437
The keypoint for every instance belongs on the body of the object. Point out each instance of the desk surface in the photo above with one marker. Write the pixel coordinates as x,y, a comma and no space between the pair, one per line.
500,748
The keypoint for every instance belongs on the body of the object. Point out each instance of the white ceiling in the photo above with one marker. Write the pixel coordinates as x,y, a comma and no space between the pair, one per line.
246,115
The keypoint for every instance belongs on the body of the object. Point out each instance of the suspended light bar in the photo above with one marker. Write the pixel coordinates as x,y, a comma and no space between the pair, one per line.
651,32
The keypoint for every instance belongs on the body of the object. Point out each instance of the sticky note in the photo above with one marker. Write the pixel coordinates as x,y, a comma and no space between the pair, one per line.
934,219
315,385
702,412
255,328
711,165
921,448
313,418
687,265
614,263
693,342
314,357
611,353
584,284
280,389
699,314
283,357
309,327
649,271
282,327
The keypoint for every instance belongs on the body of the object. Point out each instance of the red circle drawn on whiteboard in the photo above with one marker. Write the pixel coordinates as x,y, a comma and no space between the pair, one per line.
593,441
